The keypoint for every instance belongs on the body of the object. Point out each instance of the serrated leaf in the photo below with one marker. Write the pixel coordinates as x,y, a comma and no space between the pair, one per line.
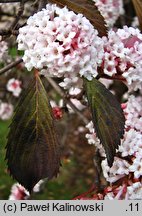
107,116
32,148
88,9
138,8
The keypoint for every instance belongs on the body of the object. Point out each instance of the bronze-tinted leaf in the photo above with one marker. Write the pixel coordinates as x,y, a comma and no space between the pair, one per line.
138,8
88,9
32,147
107,116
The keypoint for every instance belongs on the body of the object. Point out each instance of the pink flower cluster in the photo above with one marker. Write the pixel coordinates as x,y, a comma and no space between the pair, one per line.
110,9
123,56
127,167
61,43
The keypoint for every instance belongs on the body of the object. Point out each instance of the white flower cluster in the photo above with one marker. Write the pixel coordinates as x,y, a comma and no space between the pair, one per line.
133,112
133,192
123,57
110,9
128,161
93,139
119,169
6,110
3,50
61,43
14,86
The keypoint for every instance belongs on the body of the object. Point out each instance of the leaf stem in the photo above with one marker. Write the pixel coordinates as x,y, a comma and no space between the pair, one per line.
61,93
10,66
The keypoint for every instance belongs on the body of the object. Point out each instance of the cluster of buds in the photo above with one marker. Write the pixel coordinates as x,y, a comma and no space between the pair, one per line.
57,112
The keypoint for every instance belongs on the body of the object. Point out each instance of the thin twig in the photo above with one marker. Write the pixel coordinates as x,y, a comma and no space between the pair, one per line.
10,66
116,77
61,93
41,4
11,1
18,16
92,189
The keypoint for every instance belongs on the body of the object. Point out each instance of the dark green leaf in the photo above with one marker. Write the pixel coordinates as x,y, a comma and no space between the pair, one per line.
32,147
107,116
88,9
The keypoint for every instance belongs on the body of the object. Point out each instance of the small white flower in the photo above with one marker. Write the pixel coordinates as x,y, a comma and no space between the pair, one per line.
37,187
14,86
6,111
135,22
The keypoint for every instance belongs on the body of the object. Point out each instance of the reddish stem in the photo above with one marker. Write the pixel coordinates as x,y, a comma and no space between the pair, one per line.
36,73
85,194
116,77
